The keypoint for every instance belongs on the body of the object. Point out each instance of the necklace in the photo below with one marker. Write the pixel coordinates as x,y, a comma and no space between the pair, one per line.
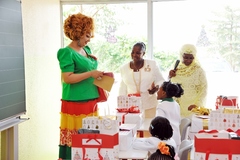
139,81
136,68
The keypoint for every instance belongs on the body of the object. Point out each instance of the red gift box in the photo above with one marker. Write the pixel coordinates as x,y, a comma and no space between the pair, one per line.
95,141
215,143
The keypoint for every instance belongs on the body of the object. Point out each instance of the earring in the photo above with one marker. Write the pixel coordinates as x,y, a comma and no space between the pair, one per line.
79,43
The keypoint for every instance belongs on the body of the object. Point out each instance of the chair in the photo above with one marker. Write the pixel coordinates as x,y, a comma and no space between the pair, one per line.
184,149
184,125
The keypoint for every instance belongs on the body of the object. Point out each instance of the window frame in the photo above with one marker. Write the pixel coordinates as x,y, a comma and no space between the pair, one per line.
149,15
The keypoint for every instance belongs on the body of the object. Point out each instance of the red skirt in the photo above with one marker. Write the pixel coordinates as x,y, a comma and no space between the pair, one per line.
72,114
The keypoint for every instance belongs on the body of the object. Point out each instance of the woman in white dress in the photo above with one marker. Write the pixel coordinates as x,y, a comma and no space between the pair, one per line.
141,77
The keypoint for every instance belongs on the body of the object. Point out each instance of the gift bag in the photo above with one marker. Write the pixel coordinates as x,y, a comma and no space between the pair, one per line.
125,102
101,143
224,119
226,102
95,146
216,146
105,125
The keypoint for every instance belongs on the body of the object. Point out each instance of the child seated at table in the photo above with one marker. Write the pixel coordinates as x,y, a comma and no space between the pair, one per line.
164,152
169,108
161,131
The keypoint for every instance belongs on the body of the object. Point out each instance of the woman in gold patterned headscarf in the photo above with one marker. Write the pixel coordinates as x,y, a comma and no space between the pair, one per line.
192,77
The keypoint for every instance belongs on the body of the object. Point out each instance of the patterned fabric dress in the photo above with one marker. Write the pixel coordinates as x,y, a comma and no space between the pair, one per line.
78,99
193,81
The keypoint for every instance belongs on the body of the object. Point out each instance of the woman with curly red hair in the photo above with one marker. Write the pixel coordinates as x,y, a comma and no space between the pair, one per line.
78,71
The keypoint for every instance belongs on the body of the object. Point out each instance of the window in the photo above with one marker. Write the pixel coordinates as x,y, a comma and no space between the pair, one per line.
118,28
211,26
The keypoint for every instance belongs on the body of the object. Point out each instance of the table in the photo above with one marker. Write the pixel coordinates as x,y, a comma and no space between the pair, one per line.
144,127
133,154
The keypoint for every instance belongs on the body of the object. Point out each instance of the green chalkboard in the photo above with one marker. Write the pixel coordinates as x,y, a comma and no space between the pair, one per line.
12,75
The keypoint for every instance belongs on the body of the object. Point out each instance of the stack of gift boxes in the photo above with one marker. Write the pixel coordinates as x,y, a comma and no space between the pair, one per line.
222,136
100,137
101,140
130,117
103,137
129,110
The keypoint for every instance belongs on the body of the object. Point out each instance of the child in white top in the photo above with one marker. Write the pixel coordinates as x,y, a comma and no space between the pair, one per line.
161,131
169,108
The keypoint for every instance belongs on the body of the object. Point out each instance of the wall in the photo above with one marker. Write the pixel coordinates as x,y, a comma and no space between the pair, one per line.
39,137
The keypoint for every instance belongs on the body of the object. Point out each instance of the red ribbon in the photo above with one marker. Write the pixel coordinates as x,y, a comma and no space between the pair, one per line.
123,118
208,153
206,131
84,153
238,132
134,94
92,137
132,109
216,131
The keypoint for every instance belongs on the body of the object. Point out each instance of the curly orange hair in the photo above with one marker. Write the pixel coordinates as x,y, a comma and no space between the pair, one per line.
76,25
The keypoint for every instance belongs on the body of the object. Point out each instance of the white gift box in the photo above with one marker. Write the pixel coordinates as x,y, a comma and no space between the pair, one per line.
197,123
130,118
126,135
130,127
125,140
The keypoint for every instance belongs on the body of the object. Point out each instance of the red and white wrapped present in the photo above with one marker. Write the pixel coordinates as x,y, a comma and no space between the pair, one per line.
226,102
95,146
130,118
129,109
199,122
126,135
214,145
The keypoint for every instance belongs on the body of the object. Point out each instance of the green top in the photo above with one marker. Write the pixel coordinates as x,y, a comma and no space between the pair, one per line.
168,99
72,61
